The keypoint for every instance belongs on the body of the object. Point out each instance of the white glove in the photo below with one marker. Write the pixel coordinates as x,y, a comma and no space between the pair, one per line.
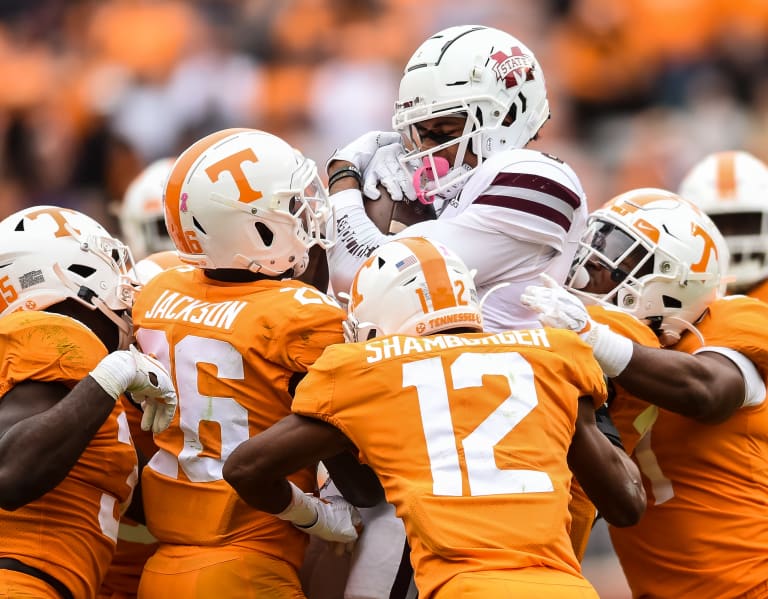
145,379
360,151
557,307
385,168
560,309
332,518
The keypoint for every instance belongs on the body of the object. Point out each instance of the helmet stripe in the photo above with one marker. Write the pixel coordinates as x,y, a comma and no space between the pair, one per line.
435,272
726,175
179,173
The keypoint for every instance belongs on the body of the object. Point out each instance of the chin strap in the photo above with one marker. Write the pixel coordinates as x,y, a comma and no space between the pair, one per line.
668,338
123,321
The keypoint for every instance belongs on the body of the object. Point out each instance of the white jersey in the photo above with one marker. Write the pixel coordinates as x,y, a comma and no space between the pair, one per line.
520,214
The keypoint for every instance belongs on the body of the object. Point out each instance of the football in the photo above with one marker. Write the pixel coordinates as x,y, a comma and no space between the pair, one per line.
392,217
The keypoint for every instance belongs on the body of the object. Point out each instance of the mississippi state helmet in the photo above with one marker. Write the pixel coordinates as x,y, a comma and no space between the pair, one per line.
658,257
49,254
732,188
142,219
479,73
245,199
412,286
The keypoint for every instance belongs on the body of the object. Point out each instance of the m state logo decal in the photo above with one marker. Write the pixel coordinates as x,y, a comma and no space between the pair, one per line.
512,68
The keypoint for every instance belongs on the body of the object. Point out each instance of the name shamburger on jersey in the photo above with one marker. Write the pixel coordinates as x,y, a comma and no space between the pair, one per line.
176,306
392,347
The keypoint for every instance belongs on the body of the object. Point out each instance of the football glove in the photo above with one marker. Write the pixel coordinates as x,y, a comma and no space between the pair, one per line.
331,518
360,151
385,168
145,379
560,309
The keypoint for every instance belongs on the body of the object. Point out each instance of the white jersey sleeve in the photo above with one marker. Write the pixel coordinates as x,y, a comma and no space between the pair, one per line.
356,238
519,215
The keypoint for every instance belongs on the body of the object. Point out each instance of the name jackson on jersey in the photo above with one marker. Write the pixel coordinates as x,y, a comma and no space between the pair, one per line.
172,305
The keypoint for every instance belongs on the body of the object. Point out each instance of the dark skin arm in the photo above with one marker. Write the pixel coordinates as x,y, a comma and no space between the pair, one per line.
316,273
258,467
44,428
135,509
609,478
707,386
357,482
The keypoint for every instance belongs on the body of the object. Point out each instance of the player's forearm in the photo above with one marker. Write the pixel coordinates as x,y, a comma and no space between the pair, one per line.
609,478
679,382
357,482
356,237
38,452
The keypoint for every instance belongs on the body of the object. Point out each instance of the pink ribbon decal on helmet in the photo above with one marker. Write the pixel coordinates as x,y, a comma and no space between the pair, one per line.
424,174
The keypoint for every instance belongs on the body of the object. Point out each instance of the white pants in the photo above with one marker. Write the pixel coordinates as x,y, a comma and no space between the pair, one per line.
372,571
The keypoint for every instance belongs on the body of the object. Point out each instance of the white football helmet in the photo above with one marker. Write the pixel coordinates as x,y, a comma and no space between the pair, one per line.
412,286
245,199
480,73
732,188
49,254
142,220
662,257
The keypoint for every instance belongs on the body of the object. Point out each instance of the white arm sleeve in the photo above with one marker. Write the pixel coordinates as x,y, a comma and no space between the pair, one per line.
356,238
754,386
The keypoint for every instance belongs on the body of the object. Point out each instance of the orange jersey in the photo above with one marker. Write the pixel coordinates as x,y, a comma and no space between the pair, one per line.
134,542
760,291
232,350
469,436
630,414
149,267
79,518
705,530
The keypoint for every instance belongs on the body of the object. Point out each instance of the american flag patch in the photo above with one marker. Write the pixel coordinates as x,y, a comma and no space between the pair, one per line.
405,262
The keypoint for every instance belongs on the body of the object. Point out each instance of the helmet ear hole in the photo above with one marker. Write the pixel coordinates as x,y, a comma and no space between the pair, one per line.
198,226
266,234
81,270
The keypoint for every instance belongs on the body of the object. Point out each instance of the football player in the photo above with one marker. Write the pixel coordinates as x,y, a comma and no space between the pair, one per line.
689,399
68,462
732,188
470,99
472,434
237,331
141,216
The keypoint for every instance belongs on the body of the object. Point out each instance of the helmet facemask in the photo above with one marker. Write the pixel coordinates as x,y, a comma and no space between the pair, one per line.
661,266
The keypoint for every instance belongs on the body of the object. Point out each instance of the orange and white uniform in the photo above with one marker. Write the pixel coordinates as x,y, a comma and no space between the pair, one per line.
134,541
149,267
233,350
79,518
469,436
622,412
705,531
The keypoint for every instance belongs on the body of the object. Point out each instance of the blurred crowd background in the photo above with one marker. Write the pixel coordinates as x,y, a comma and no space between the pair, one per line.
91,91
